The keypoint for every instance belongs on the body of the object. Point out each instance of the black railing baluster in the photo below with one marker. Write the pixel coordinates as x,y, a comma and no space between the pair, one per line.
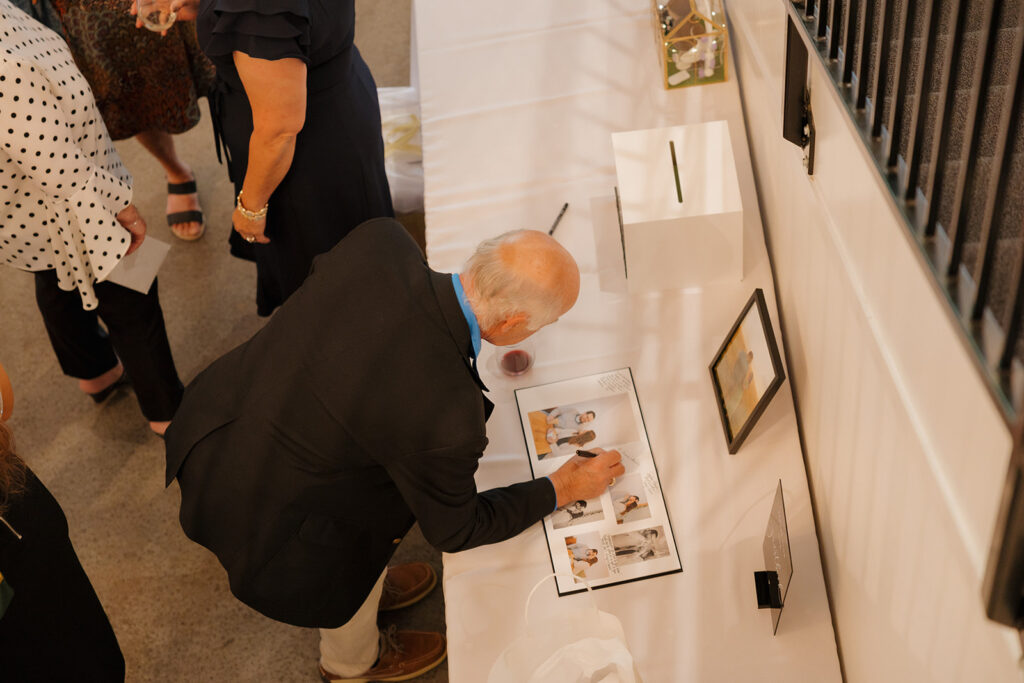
849,38
882,60
866,28
835,22
968,148
1016,313
1001,166
912,155
943,118
905,50
820,18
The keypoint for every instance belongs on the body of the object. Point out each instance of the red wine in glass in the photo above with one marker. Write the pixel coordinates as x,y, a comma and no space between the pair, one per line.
516,362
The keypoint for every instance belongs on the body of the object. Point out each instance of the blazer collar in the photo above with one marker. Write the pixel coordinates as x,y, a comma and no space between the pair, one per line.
455,321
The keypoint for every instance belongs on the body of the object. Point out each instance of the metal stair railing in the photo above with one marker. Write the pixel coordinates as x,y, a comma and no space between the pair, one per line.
932,86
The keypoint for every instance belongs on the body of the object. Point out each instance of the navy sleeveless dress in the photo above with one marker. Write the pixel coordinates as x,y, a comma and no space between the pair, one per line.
336,180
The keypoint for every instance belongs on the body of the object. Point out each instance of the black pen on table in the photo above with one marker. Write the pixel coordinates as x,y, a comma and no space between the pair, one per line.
558,218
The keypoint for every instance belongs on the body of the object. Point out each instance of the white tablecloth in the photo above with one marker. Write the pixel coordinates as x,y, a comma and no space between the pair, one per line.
519,101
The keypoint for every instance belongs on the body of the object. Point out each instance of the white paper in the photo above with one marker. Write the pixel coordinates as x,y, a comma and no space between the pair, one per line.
138,269
625,533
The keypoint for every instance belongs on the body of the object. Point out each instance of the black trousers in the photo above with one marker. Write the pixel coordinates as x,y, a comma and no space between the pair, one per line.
136,333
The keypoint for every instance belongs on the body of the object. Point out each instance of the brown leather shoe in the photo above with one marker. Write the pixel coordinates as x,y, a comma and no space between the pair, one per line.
406,584
403,655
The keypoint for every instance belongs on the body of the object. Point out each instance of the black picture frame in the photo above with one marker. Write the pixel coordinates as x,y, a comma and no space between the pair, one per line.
735,438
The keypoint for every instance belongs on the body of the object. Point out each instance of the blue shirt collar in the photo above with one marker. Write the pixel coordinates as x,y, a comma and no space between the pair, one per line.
474,326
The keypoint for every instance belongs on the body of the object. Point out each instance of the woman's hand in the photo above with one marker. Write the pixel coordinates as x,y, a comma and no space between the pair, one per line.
132,221
184,10
251,231
187,10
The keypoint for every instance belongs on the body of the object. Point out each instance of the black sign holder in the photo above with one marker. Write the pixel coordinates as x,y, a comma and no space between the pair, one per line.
772,584
767,585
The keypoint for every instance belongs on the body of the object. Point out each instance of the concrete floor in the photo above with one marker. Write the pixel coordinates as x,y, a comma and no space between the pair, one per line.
168,598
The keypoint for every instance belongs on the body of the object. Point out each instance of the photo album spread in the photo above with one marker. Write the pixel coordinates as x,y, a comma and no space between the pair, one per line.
624,534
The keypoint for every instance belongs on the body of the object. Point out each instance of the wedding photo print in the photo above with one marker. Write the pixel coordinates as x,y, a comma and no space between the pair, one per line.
640,546
747,371
577,512
629,499
562,430
586,556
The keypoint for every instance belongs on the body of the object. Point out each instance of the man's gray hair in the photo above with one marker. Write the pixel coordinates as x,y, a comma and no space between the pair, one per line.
499,292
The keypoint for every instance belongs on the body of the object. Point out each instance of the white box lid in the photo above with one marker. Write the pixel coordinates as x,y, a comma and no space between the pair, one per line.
647,180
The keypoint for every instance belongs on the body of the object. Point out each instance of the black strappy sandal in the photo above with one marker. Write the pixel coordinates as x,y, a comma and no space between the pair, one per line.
182,217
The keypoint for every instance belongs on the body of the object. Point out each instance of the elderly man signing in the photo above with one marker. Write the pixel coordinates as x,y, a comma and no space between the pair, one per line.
307,453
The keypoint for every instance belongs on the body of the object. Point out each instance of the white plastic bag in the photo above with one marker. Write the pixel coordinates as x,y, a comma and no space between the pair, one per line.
580,645
403,146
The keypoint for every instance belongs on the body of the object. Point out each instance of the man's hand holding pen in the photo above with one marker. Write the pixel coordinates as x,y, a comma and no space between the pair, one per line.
586,475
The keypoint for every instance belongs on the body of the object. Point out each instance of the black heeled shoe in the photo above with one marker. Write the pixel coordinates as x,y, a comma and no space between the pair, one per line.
104,394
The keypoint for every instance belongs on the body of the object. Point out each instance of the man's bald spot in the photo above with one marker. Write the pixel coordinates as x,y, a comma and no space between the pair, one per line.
540,259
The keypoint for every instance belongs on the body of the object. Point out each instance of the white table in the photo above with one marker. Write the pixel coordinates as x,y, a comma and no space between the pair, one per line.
518,104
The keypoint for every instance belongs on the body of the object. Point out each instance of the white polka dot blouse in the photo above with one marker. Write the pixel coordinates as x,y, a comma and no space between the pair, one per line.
61,180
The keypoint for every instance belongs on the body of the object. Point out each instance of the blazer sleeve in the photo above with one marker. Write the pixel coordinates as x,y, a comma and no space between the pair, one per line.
439,488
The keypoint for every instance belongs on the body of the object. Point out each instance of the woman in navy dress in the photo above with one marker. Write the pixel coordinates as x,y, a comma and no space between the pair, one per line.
295,109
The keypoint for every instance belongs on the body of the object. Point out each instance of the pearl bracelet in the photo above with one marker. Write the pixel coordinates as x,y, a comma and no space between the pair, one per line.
250,215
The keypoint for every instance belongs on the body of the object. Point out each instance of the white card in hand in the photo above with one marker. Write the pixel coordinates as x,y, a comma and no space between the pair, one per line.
138,269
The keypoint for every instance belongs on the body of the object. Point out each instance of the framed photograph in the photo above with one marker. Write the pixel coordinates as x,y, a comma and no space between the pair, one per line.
746,371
